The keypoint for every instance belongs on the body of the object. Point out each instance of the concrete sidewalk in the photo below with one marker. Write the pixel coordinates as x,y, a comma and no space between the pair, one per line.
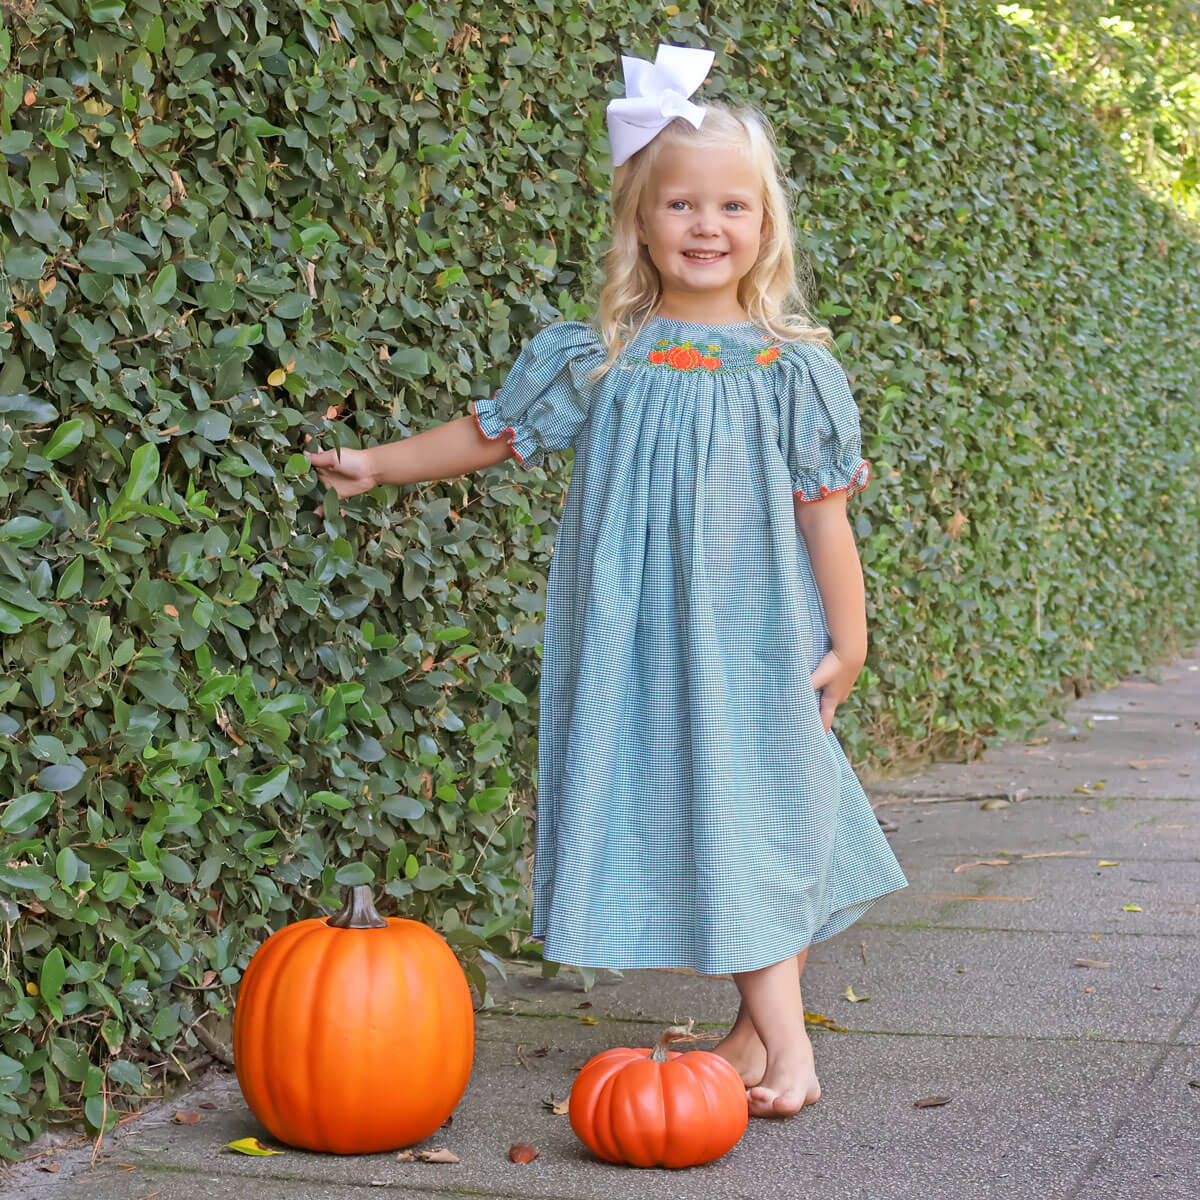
1064,1081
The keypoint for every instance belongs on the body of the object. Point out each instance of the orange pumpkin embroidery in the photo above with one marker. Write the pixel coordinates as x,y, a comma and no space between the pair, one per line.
767,356
683,357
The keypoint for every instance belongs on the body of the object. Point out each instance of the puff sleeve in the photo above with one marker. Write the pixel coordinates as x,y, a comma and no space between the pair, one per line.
543,403
819,434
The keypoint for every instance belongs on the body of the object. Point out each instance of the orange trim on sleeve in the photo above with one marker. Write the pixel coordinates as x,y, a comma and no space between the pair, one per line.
852,486
507,430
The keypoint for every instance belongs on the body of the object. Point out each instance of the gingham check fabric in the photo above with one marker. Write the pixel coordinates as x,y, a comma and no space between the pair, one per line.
691,809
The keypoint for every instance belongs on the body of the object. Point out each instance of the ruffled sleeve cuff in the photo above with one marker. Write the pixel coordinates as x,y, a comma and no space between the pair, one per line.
825,482
543,403
821,438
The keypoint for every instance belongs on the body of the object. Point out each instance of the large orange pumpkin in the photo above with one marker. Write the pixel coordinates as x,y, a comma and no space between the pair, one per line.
353,1034
660,1107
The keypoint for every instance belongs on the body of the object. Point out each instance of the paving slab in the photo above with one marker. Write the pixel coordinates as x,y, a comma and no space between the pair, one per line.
1140,738
936,981
1055,1091
1022,1117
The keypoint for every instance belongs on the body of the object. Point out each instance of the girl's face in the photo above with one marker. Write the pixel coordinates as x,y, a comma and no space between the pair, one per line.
708,202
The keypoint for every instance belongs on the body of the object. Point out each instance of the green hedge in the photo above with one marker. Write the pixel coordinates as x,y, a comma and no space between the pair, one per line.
224,226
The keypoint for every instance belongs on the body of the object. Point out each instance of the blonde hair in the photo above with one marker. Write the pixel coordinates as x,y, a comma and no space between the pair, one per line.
771,292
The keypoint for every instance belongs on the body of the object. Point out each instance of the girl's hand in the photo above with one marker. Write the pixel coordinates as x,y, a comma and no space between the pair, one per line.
834,679
347,471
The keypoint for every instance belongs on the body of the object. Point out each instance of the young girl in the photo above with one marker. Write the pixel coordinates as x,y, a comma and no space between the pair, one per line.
704,608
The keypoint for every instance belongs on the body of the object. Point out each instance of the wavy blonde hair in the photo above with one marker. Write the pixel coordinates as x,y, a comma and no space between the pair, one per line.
771,292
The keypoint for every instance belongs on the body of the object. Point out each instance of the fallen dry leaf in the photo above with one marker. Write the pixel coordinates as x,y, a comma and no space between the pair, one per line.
186,1118
207,1104
405,1156
438,1156
983,862
559,1108
1140,764
1105,863
250,1145
1056,853
1091,962
1132,908
522,1152
812,1018
989,805
51,1168
932,1102
588,1021
853,998
972,897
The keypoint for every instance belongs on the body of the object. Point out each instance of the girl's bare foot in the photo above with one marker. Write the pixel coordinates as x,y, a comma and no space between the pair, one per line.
743,1048
789,1084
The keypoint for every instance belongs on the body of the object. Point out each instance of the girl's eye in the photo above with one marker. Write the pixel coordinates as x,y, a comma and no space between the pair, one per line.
727,203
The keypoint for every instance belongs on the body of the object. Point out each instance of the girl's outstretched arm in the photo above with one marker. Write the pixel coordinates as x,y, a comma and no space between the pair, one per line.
444,452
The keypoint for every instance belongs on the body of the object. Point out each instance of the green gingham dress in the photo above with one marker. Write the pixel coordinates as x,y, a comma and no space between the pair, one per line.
691,809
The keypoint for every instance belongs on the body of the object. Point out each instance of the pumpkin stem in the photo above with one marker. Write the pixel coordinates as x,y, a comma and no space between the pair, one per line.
677,1033
358,912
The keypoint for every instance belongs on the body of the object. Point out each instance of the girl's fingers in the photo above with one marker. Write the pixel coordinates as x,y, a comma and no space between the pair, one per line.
828,708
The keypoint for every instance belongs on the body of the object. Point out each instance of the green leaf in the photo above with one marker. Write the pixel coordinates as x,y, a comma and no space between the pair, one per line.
67,437
53,975
24,531
62,777
330,800
106,12
353,874
25,810
107,257
143,471
164,284
260,127
261,788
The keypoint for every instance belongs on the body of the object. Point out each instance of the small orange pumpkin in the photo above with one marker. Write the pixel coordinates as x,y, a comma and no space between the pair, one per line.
353,1034
660,1107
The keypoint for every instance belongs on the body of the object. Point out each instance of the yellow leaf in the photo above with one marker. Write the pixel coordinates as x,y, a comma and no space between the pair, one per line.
31,988
588,1021
250,1145
277,378
1131,908
1105,863
853,998
821,1022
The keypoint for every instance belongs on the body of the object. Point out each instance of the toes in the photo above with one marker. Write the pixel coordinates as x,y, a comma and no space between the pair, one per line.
766,1102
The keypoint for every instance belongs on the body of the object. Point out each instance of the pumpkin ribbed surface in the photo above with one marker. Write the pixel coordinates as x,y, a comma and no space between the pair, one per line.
627,1108
353,1041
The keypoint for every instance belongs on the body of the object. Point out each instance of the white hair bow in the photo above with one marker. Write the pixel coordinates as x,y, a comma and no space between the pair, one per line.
655,93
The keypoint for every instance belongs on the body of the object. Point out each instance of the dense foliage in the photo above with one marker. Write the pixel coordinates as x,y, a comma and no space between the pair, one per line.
1135,66
227,224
